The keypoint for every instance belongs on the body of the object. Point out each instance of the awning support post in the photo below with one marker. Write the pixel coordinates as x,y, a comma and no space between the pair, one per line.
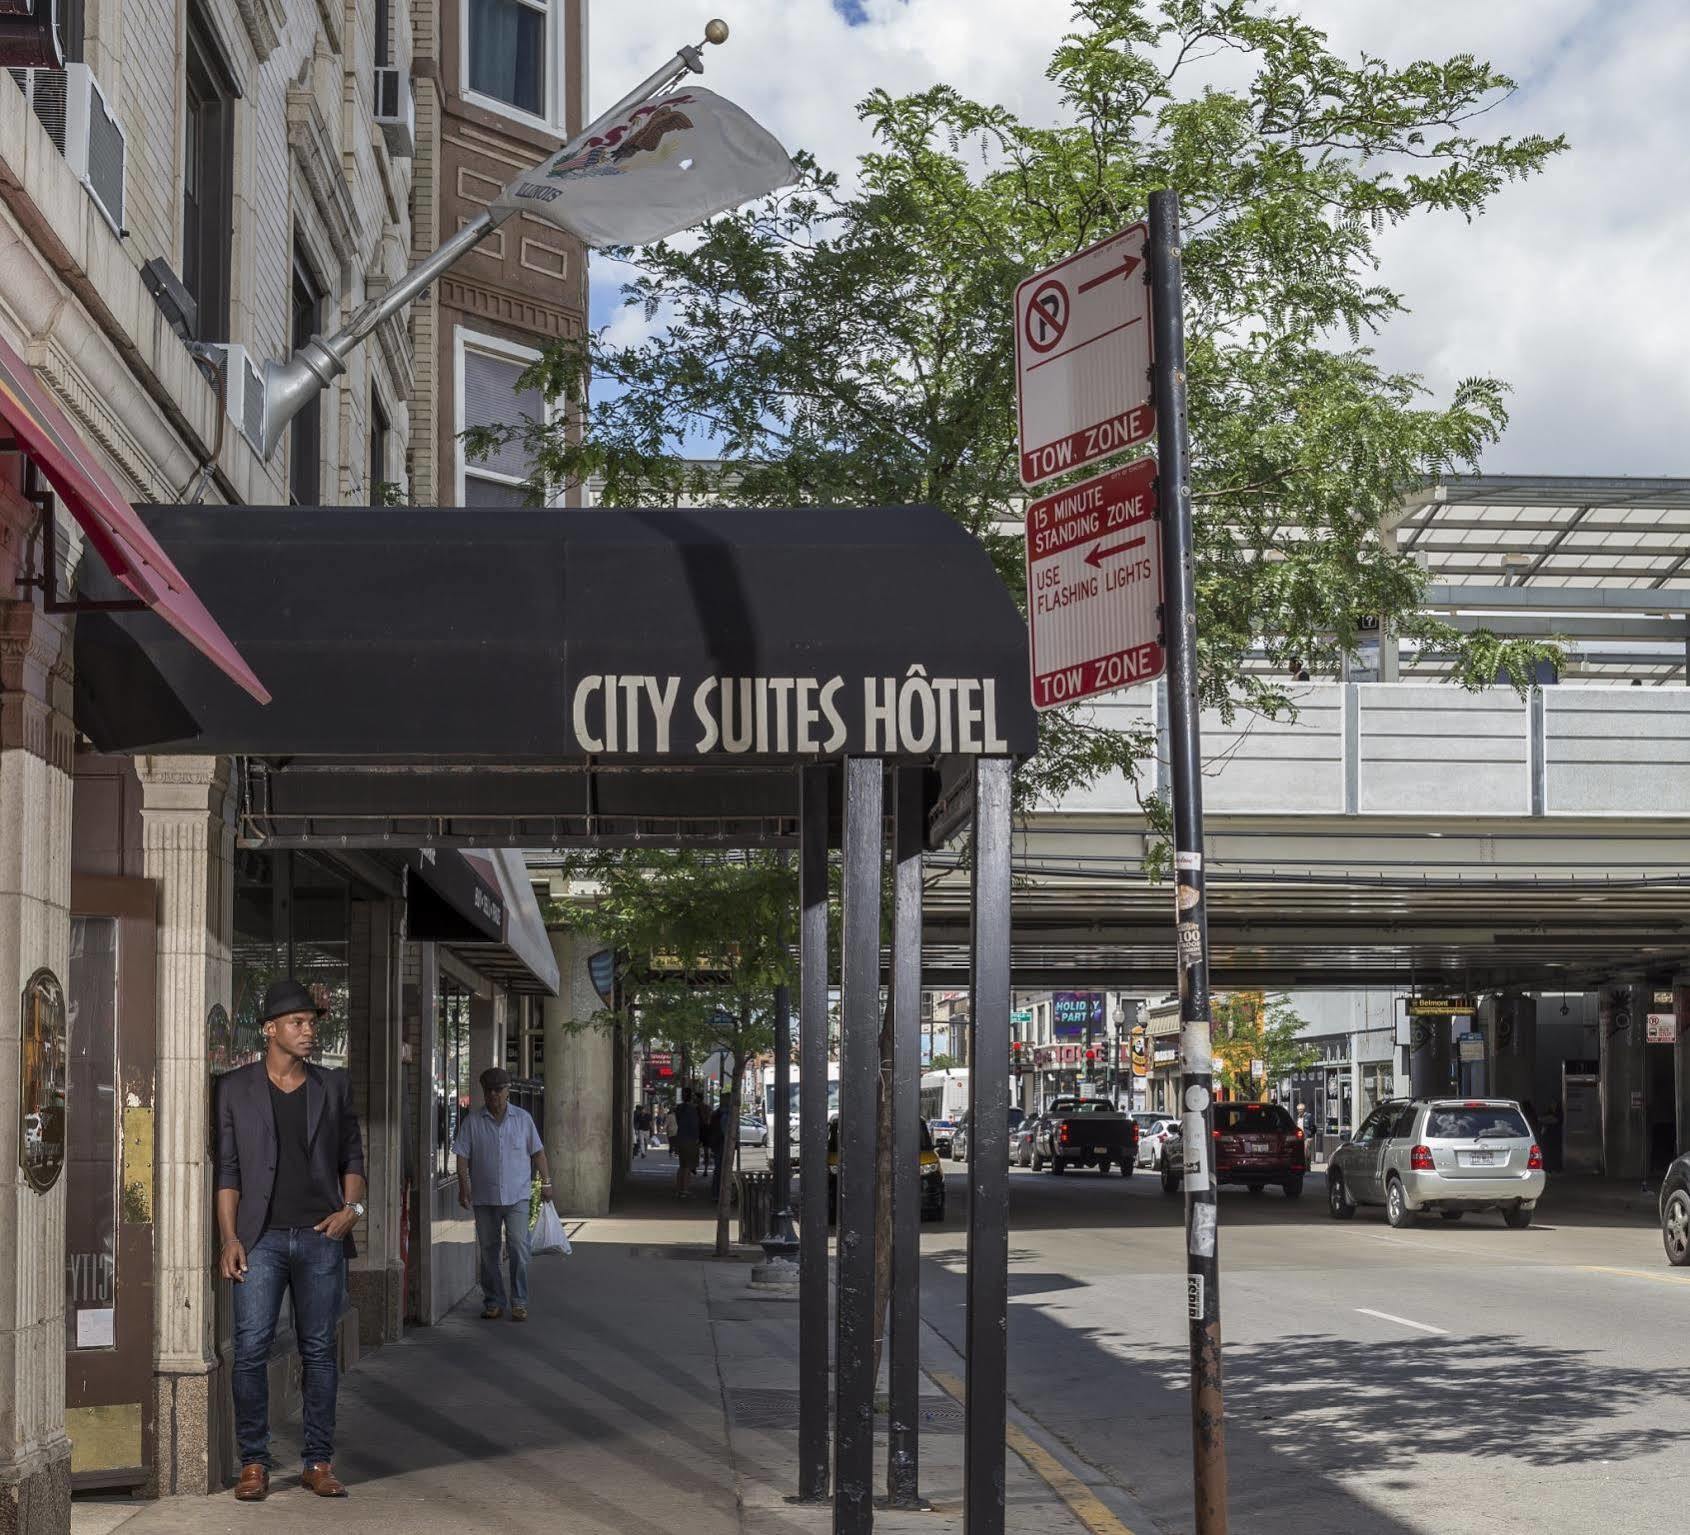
859,1090
988,1157
289,385
812,1134
903,1478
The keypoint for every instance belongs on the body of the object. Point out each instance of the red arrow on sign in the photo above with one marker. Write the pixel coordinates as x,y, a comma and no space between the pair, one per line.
1125,269
1099,553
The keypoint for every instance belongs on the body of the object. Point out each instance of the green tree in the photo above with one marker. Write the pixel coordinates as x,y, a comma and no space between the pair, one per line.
700,945
1251,1026
851,344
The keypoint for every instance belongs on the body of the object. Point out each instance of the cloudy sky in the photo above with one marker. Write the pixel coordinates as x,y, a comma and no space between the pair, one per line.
1575,288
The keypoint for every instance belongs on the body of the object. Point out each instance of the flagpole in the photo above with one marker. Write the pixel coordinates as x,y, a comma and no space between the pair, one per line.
289,385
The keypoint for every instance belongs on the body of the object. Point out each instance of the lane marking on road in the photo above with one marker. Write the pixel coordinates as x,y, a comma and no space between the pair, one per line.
1673,1279
1402,1321
1080,1500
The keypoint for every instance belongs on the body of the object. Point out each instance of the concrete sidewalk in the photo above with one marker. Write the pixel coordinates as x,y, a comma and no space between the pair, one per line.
652,1389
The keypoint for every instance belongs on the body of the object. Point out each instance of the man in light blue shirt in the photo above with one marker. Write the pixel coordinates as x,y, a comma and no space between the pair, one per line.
499,1153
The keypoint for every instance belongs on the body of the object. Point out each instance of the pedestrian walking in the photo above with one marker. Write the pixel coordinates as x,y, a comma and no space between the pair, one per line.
642,1129
716,1138
499,1154
685,1131
290,1188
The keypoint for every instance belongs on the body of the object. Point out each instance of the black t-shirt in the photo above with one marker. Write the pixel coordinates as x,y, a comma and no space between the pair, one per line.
294,1201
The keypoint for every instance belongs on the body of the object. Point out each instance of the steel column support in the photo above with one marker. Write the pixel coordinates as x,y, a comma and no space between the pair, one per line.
903,1479
1179,623
988,1156
812,1135
859,1090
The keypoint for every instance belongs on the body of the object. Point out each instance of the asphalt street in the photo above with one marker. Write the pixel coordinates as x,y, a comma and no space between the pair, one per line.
1457,1378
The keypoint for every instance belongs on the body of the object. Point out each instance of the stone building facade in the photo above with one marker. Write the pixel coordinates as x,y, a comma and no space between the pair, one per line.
281,162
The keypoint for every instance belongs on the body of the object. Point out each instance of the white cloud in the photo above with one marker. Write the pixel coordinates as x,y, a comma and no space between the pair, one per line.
1572,288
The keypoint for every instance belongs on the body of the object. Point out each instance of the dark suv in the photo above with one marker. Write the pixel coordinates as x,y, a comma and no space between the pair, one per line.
1675,1212
1255,1144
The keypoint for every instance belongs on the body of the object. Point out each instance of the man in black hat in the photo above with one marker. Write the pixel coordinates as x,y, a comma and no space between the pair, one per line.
290,1188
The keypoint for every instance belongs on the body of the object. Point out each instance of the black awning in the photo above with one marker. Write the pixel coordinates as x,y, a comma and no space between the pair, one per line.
449,901
718,637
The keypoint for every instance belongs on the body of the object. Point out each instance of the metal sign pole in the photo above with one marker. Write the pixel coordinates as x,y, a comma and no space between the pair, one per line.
1179,622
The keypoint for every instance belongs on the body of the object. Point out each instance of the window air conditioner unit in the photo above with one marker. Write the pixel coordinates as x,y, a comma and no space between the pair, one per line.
74,111
396,110
244,390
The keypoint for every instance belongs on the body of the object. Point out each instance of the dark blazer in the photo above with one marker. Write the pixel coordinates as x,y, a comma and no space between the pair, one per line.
246,1140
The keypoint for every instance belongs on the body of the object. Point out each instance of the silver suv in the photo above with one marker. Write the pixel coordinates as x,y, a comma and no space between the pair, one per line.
1451,1155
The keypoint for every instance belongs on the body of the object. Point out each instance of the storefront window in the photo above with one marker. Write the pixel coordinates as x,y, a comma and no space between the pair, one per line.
292,918
451,1068
91,1208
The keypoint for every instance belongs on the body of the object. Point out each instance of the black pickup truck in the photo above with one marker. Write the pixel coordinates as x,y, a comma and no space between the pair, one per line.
1085,1132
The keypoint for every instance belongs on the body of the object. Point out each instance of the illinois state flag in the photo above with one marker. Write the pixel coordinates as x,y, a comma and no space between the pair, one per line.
667,165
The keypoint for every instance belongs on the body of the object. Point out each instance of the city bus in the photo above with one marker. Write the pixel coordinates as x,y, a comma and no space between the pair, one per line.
944,1093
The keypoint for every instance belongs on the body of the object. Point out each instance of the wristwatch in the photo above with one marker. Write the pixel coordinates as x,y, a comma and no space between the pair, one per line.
356,1208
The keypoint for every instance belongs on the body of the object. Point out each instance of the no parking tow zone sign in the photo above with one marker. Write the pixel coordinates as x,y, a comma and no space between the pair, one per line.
1082,358
1094,587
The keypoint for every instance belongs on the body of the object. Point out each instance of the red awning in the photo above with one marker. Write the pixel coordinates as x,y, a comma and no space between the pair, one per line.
120,538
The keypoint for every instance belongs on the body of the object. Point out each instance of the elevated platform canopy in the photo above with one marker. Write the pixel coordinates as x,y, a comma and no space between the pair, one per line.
537,678
1601,563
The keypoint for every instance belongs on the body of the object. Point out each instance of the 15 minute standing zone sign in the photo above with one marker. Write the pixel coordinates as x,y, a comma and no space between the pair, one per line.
1094,587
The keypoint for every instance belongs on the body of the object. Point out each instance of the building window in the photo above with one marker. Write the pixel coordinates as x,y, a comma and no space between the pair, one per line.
380,490
305,455
207,183
508,47
488,395
384,33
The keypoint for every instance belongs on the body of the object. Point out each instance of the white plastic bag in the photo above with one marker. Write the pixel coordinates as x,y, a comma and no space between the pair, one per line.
549,1235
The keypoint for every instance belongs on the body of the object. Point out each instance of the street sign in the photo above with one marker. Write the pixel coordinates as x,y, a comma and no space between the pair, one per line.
1082,358
1471,1047
1094,587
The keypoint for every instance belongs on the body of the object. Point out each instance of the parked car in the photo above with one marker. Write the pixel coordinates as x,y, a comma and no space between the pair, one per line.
1450,1155
1255,1144
1675,1212
1021,1142
753,1132
1154,1133
943,1132
1086,1132
932,1175
965,1131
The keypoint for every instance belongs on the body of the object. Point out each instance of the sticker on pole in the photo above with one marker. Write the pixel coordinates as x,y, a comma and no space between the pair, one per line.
1082,358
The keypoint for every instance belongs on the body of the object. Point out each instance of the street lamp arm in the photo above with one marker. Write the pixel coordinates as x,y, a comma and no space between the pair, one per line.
289,385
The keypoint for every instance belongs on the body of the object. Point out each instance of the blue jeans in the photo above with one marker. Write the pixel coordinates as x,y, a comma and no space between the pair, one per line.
311,1268
512,1220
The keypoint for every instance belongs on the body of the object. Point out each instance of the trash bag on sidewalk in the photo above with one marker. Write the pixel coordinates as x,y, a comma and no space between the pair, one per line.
549,1235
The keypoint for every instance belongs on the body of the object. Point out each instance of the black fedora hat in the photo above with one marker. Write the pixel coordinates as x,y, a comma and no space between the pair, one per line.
288,996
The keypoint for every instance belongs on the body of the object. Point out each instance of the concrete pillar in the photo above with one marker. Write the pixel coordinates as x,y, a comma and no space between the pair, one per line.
1621,1013
580,1084
36,739
377,1275
1510,1025
187,847
1428,1056
1681,1061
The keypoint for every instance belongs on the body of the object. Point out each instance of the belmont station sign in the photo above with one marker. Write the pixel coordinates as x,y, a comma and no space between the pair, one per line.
910,715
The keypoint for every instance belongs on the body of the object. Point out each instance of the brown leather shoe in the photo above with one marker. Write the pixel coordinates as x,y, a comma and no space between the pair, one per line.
321,1480
254,1485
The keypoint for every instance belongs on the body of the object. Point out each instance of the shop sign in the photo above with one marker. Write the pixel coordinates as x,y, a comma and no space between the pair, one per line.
1073,1012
